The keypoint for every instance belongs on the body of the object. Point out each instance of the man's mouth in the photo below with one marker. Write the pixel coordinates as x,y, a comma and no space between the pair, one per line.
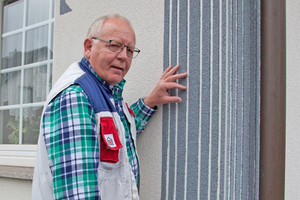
116,67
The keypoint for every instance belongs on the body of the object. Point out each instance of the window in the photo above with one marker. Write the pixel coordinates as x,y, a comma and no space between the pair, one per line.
25,75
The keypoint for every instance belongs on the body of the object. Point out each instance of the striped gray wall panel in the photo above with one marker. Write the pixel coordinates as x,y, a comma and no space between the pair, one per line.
211,140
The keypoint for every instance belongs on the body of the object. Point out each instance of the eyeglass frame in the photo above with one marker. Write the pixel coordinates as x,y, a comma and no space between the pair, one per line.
121,49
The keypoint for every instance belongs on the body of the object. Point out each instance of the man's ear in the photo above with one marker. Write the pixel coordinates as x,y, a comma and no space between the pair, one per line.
88,43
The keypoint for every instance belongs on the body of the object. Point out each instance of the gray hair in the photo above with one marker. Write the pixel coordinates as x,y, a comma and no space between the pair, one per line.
95,28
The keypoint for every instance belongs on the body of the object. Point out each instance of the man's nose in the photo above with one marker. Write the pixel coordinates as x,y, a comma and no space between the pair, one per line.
123,53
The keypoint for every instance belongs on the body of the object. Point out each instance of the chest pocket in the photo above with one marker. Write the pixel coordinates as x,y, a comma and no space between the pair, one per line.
109,141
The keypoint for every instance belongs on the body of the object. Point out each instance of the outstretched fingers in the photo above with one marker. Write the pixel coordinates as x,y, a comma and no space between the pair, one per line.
171,99
159,94
166,72
176,77
172,85
169,74
169,71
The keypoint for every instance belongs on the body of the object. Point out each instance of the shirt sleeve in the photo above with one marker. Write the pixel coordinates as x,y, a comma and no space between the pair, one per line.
72,145
143,114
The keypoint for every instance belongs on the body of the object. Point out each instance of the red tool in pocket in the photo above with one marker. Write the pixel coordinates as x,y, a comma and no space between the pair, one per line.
109,141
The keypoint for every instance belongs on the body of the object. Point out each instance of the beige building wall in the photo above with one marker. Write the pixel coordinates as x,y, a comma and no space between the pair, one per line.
12,189
147,18
292,175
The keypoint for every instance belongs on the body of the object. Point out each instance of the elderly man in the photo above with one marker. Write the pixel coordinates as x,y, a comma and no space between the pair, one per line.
87,143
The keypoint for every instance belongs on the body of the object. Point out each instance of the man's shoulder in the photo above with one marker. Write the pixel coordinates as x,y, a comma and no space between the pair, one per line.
72,91
73,88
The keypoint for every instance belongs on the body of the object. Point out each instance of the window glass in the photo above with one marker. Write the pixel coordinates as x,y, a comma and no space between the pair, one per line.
36,45
26,68
37,11
13,15
10,129
31,124
10,88
11,51
35,84
50,78
51,42
52,15
11,126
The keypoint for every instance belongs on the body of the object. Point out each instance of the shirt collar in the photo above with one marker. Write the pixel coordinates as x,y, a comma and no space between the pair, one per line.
116,90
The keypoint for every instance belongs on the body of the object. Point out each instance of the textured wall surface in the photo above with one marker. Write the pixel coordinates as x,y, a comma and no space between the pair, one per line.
12,189
192,131
292,177
147,17
211,140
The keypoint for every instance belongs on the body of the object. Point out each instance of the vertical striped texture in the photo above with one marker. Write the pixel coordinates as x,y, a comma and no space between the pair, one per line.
211,140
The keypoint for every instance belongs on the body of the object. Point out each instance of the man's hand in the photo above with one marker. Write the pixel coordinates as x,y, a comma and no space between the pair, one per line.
159,94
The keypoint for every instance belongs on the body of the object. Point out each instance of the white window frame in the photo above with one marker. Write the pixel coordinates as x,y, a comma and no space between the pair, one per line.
24,155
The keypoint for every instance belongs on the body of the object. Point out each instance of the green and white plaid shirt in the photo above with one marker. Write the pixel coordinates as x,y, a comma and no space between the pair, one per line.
69,129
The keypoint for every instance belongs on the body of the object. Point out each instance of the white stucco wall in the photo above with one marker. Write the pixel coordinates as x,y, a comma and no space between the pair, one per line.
147,18
292,176
12,189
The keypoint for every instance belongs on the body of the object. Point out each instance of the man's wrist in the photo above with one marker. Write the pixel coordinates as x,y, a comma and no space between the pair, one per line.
148,103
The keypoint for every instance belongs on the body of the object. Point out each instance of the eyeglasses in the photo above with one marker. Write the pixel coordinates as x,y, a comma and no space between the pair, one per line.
117,47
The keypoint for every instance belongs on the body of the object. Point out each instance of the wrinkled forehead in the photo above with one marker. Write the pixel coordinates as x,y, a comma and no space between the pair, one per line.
118,28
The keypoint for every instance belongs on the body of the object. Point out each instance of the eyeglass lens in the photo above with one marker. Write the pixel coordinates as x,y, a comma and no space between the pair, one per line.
118,47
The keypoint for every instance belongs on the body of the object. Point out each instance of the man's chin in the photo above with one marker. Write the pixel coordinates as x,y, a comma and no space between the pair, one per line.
114,81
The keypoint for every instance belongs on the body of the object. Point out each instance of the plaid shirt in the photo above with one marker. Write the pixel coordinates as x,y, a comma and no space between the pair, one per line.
69,128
